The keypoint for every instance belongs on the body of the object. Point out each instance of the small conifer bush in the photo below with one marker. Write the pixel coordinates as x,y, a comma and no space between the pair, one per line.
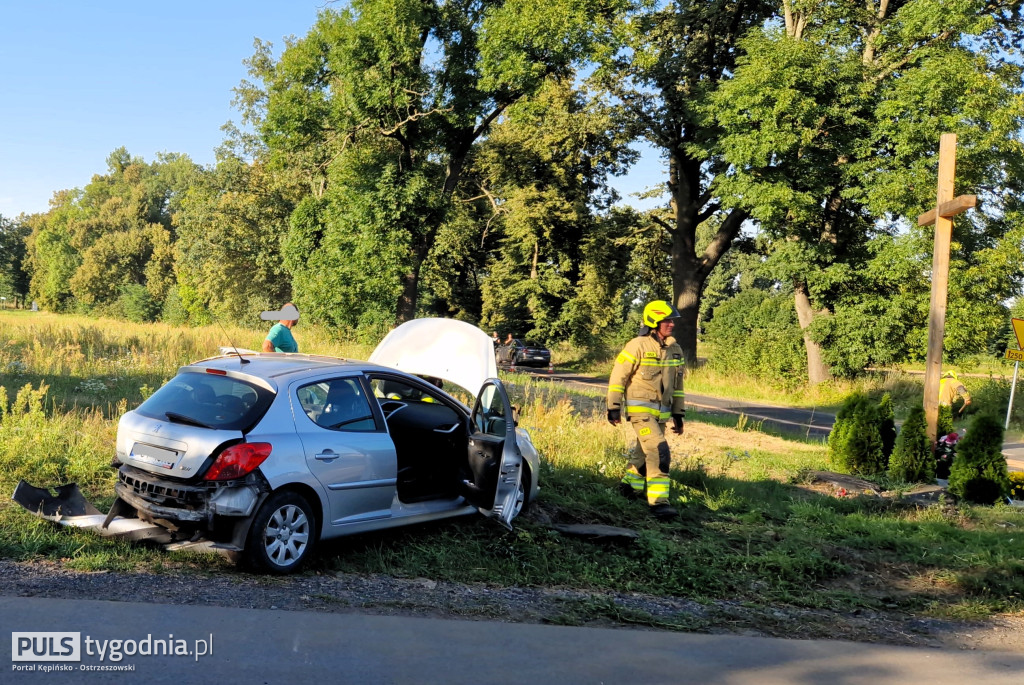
855,444
911,460
945,421
887,427
979,473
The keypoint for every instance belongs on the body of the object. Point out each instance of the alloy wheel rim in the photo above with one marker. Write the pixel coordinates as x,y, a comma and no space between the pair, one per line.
286,536
517,506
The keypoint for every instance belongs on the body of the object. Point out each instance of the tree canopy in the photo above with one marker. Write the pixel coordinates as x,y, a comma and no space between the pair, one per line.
460,158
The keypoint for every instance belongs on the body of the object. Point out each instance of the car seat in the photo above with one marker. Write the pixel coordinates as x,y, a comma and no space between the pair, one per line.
343,402
394,390
204,394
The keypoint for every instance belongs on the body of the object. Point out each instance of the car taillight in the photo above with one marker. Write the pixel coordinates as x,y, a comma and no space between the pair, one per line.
238,460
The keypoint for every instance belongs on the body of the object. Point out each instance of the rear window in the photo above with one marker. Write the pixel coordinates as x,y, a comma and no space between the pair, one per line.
206,399
533,344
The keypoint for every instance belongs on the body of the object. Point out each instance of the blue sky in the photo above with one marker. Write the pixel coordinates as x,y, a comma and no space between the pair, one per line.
79,79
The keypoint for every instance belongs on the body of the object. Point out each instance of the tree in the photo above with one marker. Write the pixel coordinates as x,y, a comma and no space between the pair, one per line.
556,270
14,279
817,131
51,259
887,426
228,257
387,99
115,232
672,58
756,333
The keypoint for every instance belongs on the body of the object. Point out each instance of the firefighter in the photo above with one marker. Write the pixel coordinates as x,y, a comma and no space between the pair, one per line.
648,375
950,387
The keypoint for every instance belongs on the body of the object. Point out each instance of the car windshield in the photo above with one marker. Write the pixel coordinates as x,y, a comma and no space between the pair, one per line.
208,401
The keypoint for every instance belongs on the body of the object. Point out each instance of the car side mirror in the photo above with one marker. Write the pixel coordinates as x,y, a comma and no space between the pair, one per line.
515,416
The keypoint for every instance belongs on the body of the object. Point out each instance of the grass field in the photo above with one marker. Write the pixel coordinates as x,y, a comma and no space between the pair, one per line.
752,531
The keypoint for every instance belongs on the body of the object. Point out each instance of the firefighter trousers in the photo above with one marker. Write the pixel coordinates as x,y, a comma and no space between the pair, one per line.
649,459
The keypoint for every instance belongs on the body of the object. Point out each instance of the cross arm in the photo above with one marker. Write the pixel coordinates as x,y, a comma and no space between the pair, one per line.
958,205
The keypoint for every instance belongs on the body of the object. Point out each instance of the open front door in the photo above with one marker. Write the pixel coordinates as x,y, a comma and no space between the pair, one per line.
494,458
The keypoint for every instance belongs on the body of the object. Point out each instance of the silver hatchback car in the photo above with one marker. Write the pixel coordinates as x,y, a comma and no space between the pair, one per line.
266,454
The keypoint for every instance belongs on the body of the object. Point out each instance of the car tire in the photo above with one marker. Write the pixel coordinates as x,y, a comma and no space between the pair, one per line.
523,493
282,535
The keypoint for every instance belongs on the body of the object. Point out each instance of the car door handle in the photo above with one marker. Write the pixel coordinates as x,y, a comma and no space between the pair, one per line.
327,455
440,429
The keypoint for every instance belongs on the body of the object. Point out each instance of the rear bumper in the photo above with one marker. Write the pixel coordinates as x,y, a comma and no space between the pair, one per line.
192,504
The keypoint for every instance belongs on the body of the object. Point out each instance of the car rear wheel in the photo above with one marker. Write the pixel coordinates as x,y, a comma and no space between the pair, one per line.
282,534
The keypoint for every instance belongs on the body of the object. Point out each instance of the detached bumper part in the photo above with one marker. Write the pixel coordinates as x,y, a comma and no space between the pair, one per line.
66,503
69,508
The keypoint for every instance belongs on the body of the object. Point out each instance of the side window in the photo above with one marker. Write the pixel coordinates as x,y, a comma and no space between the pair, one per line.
339,404
388,389
489,416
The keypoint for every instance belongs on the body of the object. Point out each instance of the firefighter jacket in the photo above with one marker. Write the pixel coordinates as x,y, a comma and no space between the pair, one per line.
649,374
949,387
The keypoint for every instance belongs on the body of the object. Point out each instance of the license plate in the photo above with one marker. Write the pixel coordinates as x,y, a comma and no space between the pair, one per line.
151,454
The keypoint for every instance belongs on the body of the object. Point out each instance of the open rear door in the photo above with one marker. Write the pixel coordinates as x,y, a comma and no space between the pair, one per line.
494,456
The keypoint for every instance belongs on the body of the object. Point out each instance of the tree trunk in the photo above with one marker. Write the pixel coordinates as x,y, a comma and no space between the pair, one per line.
409,299
690,270
688,292
817,371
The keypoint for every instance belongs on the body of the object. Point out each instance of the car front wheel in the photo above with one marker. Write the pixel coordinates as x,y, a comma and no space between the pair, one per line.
282,534
522,493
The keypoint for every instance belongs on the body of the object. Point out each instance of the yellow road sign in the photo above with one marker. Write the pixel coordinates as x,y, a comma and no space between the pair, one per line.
1015,355
1018,330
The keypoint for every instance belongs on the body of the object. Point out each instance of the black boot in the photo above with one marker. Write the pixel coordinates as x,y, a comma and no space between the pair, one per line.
664,512
627,491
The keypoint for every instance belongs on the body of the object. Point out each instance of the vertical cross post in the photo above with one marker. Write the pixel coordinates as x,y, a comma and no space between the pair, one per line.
946,207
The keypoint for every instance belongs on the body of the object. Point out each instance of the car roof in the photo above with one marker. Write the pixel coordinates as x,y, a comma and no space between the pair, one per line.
274,369
273,366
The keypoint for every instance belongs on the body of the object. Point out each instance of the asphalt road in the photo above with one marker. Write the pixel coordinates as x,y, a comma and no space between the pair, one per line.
791,420
261,646
783,419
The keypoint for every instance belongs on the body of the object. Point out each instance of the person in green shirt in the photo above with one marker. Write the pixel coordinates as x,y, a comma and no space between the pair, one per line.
280,338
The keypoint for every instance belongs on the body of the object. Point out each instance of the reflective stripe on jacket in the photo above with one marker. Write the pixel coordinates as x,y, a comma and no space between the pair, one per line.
649,375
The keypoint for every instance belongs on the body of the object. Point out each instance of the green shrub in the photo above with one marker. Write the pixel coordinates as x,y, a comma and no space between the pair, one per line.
174,312
979,471
855,443
911,459
945,421
887,427
756,333
137,304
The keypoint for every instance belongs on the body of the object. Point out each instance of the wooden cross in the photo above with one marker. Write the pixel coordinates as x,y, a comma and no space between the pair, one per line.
946,207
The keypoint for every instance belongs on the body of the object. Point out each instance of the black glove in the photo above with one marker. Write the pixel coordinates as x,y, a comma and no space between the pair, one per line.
677,424
615,416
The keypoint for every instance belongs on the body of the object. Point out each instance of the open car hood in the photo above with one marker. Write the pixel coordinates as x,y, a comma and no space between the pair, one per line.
451,350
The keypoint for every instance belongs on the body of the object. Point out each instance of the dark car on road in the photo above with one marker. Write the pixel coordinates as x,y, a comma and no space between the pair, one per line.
522,353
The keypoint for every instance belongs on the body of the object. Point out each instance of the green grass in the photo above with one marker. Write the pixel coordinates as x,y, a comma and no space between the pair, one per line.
751,529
